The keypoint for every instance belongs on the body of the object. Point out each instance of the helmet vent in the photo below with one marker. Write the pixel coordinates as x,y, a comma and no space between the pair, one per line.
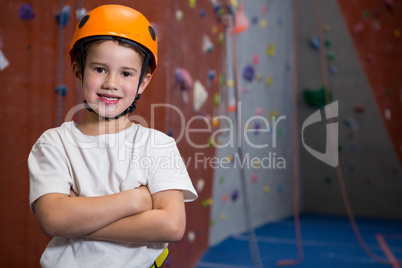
83,21
152,32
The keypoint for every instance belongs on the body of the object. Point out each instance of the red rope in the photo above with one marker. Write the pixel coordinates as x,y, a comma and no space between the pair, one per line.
296,188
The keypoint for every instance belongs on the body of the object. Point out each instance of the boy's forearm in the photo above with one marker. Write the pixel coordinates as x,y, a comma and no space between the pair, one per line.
165,223
60,215
148,227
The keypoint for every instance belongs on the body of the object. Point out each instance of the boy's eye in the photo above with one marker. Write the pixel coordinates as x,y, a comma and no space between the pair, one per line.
99,69
126,74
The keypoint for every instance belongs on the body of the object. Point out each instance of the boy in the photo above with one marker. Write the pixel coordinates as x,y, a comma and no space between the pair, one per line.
89,187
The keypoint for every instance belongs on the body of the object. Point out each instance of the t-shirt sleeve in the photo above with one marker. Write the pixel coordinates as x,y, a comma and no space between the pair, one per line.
168,171
48,172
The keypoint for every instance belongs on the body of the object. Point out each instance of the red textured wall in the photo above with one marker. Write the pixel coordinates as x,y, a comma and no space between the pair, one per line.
29,106
376,28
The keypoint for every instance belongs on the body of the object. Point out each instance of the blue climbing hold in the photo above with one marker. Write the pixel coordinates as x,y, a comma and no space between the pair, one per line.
26,12
61,90
315,43
63,16
248,73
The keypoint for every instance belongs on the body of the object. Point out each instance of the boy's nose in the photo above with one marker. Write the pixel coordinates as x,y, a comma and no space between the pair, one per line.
111,81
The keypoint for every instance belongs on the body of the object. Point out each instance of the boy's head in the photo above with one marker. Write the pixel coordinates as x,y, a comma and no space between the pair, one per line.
123,25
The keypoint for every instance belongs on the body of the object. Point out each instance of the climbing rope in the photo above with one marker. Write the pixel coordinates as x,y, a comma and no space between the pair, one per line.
251,237
296,181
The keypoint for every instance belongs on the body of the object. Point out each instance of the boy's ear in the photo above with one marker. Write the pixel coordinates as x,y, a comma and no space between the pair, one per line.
77,73
145,82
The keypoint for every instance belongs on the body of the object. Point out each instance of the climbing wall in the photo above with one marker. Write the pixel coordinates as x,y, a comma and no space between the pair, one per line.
265,69
351,50
376,28
39,92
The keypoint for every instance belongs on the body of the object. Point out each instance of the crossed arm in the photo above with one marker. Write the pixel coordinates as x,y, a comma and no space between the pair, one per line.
130,216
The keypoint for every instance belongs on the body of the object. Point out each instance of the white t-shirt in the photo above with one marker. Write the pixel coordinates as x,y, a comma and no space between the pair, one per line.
65,158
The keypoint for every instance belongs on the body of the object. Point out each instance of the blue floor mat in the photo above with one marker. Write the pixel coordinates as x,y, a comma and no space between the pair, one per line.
328,242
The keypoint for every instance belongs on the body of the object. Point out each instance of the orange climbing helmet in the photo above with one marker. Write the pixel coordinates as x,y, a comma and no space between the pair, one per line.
116,22
120,23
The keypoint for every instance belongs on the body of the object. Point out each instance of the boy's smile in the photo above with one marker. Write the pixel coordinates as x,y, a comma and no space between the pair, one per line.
111,77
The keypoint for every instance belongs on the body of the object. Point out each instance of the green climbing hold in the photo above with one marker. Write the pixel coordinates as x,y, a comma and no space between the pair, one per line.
330,56
328,42
217,99
317,97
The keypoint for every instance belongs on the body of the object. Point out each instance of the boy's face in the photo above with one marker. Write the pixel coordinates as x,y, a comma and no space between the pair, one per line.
111,77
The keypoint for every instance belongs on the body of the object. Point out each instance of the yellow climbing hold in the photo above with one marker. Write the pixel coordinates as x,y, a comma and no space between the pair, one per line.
271,49
263,24
268,81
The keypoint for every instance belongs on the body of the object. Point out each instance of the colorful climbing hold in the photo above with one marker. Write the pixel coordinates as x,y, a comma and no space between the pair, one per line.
63,16
257,127
266,189
264,9
26,12
217,99
254,177
4,63
200,95
330,56
200,185
80,13
221,180
225,198
241,20
350,122
203,13
61,90
210,142
256,162
332,69
315,43
258,77
359,109
191,3
256,59
179,15
207,45
191,236
207,202
273,114
263,24
317,97
271,49
248,73
211,75
215,122
358,28
268,81
235,195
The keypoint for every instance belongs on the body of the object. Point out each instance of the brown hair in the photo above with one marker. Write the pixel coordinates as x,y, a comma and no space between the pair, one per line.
78,59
